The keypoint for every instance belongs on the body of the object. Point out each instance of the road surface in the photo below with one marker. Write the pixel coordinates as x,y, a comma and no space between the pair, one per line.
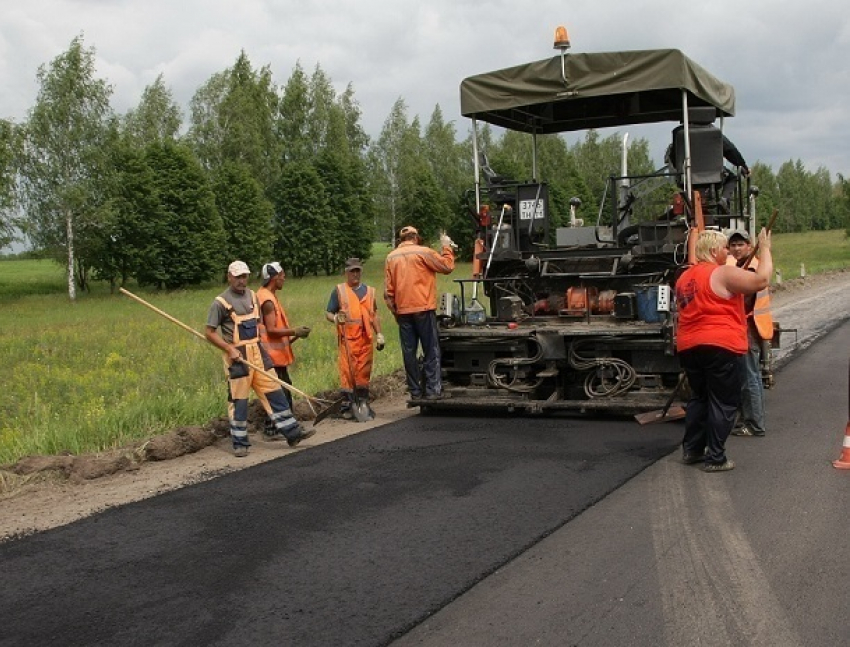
474,531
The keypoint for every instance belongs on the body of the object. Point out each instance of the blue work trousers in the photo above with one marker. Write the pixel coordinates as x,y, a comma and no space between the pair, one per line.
415,329
752,396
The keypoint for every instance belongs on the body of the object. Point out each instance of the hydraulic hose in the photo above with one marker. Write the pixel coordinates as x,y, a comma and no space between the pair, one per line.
514,385
597,384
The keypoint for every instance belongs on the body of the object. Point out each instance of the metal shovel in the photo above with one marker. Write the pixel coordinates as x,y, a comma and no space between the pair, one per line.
668,412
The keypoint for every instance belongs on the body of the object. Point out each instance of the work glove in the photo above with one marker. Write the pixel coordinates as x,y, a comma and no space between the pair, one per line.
340,317
446,241
380,341
302,332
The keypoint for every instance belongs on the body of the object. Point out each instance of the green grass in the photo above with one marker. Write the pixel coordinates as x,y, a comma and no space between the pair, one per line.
19,278
817,251
105,371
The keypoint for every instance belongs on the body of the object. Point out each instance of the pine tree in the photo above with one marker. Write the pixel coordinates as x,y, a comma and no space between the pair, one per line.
187,238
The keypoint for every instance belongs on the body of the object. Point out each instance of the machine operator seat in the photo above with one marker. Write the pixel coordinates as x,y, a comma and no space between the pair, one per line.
706,148
490,176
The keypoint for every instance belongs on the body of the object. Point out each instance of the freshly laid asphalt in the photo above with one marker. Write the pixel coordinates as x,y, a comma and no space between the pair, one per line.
348,543
676,557
405,527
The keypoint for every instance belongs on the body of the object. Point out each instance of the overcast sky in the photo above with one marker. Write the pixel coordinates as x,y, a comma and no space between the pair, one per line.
789,61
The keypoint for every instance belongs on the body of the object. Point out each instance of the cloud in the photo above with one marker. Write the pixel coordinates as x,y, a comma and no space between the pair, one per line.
786,61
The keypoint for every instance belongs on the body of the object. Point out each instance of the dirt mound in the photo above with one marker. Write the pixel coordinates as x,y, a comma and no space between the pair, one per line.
176,443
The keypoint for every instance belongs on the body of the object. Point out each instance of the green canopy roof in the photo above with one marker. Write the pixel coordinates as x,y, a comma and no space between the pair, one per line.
601,90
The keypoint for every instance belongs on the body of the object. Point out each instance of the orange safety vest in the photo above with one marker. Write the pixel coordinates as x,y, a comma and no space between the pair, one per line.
355,348
279,348
358,312
762,317
761,314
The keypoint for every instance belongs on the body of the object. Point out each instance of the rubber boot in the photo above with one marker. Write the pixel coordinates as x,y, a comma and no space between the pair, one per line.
345,411
363,396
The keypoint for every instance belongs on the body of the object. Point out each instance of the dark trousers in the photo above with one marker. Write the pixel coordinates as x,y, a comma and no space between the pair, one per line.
282,373
715,379
415,329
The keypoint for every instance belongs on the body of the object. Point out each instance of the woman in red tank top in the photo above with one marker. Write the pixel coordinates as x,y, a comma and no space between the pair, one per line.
711,340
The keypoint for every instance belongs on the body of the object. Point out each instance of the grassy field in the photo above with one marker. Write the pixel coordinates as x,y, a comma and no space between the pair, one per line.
105,371
817,251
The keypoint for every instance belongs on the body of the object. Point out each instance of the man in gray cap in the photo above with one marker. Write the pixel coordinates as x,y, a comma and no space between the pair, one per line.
236,312
353,308
759,327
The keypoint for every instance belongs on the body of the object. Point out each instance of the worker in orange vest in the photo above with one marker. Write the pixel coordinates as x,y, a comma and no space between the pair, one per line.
354,309
276,334
751,419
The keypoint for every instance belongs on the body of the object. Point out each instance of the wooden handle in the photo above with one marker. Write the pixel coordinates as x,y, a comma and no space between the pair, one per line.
262,370
753,253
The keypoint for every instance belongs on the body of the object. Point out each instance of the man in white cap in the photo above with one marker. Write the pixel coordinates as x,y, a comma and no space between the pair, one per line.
236,312
276,333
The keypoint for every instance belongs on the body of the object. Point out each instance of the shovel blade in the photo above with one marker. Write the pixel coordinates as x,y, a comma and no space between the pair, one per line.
659,415
330,409
363,412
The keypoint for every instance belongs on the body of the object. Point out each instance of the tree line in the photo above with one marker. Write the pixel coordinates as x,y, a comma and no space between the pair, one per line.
282,172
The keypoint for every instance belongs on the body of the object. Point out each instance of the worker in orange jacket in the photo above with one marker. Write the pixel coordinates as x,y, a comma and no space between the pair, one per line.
354,309
410,292
751,419
276,334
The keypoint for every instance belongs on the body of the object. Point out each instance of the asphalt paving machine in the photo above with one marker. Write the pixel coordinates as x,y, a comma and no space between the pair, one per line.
582,317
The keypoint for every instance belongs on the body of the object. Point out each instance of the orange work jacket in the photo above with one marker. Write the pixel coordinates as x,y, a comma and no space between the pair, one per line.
410,283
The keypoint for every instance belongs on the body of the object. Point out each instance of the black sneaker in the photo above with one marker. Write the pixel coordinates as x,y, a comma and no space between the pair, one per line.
433,396
719,467
690,459
302,435
746,431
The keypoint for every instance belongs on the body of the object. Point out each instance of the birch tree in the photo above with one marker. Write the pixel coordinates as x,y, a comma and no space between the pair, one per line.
64,152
